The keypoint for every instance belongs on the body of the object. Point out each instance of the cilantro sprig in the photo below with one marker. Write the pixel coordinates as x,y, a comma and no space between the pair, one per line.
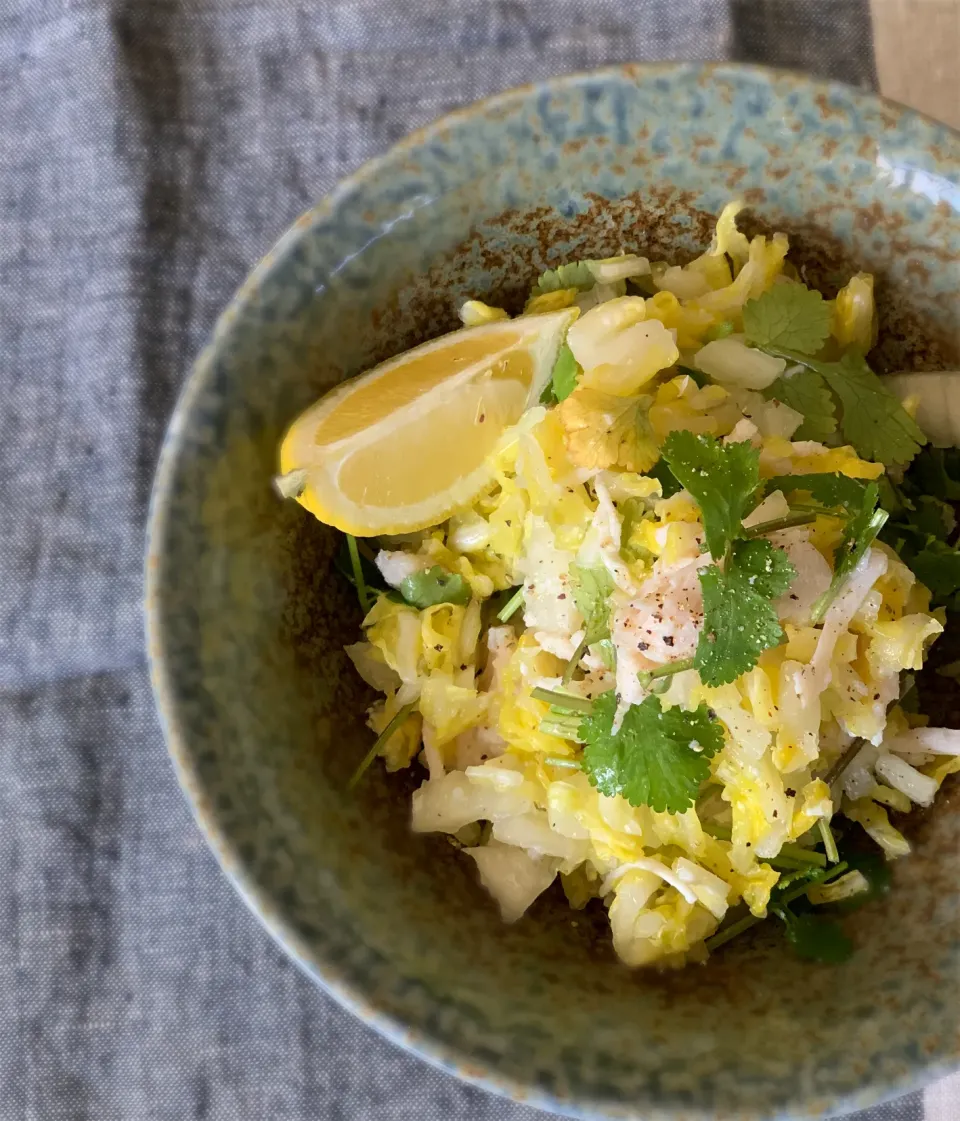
923,525
787,315
792,322
739,619
575,274
809,939
858,500
807,393
859,533
633,512
354,561
871,418
827,488
658,757
563,380
723,478
592,587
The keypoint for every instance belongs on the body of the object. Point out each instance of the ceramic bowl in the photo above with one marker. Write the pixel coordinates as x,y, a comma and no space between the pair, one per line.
264,715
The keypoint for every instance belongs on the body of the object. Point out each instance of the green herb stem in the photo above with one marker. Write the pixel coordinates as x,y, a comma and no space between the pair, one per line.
788,521
726,934
365,551
575,661
558,761
646,679
791,863
844,761
796,856
803,888
815,509
380,742
565,727
720,832
868,535
565,701
358,579
511,607
804,856
829,843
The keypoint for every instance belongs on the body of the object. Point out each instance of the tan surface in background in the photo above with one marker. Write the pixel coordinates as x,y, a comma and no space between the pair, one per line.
917,46
918,54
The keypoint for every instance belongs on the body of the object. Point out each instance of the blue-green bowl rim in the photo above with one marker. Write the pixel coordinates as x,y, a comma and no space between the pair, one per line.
326,974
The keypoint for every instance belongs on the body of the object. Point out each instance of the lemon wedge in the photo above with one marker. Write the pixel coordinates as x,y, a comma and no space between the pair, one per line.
402,446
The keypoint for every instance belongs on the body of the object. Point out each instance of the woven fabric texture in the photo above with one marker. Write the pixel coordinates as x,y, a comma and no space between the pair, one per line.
150,152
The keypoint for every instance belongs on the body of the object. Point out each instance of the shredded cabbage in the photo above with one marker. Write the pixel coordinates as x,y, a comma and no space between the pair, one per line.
582,484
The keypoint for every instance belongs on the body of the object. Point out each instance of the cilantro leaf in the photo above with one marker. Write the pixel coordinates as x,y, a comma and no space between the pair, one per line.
815,938
922,526
938,566
721,477
658,758
425,589
807,392
828,488
739,620
719,331
788,315
696,376
666,478
935,471
762,568
859,499
872,418
576,274
583,275
566,371
858,535
592,587
875,870
633,512
932,517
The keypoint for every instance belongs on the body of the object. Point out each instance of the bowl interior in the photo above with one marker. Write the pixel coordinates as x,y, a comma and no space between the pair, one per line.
264,714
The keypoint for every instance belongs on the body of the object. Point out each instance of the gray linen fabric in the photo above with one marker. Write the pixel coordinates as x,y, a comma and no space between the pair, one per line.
150,151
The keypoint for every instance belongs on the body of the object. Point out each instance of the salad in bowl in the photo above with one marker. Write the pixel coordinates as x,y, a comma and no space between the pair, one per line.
646,573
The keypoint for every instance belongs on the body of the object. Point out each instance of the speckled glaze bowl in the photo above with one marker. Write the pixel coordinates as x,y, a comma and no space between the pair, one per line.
263,713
